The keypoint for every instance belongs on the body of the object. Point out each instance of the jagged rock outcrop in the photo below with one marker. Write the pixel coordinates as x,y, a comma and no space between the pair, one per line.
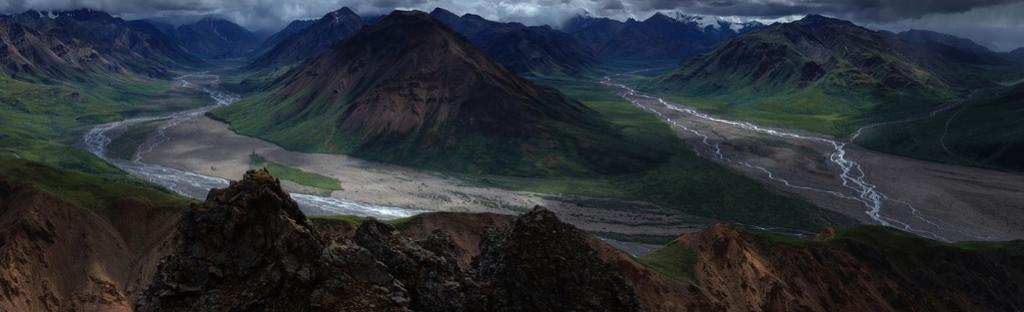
430,275
248,247
539,263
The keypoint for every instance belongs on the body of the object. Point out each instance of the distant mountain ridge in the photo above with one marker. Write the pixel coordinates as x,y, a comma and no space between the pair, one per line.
927,36
292,28
409,90
214,38
960,62
819,66
658,37
28,55
523,49
135,45
308,42
1018,53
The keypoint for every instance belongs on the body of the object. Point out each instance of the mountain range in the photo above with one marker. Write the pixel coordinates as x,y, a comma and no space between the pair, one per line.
570,51
28,54
137,46
962,63
659,37
538,49
310,40
409,90
213,38
292,28
829,75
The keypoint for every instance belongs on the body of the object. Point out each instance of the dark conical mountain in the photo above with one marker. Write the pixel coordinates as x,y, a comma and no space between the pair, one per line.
538,49
136,45
660,36
214,38
307,43
409,90
294,27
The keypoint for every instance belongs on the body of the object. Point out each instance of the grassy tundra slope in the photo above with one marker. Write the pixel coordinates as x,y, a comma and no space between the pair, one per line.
284,172
986,131
830,76
42,121
683,181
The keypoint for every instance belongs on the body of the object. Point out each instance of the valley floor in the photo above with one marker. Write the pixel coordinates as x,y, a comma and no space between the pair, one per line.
930,199
205,146
934,200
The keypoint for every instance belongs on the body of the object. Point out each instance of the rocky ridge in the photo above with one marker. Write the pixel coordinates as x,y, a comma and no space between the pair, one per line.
249,248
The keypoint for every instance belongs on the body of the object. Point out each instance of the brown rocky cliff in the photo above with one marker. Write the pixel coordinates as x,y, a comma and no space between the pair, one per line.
55,256
746,276
655,292
871,269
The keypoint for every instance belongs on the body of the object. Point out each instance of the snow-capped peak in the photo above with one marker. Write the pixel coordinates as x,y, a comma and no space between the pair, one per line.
701,21
715,22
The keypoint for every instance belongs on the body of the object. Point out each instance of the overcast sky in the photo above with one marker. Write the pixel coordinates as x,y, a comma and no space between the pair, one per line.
996,23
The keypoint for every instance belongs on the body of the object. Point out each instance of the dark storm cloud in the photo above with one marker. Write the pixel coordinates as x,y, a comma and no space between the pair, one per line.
613,5
994,22
872,10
